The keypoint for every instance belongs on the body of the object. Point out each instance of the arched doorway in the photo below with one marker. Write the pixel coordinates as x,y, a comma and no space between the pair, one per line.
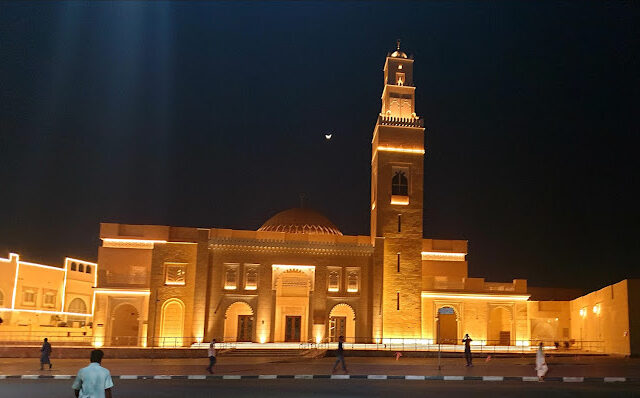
124,325
342,322
172,323
238,322
499,329
447,326
77,306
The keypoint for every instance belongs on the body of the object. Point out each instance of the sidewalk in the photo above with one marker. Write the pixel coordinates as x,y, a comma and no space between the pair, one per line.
596,367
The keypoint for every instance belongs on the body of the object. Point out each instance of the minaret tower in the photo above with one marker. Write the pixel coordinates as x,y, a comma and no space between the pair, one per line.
396,203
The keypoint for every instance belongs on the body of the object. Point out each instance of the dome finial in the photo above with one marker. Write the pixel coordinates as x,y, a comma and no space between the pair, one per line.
398,53
303,200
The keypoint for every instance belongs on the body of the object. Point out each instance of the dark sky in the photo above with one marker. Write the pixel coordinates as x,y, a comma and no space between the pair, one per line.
213,115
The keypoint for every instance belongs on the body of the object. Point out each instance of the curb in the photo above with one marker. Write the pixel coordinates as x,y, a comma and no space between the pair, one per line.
341,377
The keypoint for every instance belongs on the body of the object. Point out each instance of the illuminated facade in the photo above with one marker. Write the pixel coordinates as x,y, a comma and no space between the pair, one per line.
299,279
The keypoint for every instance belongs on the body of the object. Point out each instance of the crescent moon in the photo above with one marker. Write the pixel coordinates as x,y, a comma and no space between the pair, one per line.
328,136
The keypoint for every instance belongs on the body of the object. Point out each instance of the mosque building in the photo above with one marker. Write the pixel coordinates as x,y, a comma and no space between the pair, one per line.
299,279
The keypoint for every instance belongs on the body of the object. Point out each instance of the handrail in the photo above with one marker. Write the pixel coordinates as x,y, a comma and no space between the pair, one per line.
8,338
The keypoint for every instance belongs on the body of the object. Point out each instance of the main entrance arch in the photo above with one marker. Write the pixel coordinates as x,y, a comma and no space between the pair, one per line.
447,326
342,322
292,284
172,323
238,322
124,325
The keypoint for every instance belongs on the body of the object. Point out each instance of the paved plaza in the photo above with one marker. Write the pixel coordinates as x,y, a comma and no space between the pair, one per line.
579,366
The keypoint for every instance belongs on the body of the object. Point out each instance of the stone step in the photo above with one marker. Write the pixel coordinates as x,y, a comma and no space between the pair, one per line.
264,353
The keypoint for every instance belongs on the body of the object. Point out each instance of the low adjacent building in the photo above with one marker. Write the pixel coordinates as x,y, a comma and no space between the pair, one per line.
38,300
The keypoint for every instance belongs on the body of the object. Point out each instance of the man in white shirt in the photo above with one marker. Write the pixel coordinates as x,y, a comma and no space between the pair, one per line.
93,381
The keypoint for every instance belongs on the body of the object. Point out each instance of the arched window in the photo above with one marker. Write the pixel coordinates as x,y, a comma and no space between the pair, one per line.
88,269
231,278
334,281
352,282
81,267
251,279
77,306
400,183
73,266
1,299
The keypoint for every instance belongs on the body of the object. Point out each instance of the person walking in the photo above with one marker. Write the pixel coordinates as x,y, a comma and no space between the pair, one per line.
340,356
212,355
541,363
467,349
45,352
93,381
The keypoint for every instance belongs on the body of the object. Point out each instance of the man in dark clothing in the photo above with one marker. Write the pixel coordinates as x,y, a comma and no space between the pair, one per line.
212,355
340,356
467,349
45,351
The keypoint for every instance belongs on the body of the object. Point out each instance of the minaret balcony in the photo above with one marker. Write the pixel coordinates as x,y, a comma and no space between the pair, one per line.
384,120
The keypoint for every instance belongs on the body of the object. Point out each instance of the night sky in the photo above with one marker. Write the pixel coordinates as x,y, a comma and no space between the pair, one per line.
214,114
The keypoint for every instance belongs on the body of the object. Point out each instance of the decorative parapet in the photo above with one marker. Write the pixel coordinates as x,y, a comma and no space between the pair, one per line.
291,246
476,285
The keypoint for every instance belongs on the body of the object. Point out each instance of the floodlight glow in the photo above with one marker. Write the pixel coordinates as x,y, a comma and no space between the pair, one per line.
419,151
443,256
471,296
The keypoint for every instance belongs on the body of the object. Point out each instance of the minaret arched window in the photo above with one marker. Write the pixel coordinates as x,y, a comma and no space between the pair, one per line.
399,183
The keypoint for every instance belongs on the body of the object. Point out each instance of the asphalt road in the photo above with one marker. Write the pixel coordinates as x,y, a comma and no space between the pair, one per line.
322,388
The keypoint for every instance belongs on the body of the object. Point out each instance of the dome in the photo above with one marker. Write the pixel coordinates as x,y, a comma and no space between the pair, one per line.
398,54
300,221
